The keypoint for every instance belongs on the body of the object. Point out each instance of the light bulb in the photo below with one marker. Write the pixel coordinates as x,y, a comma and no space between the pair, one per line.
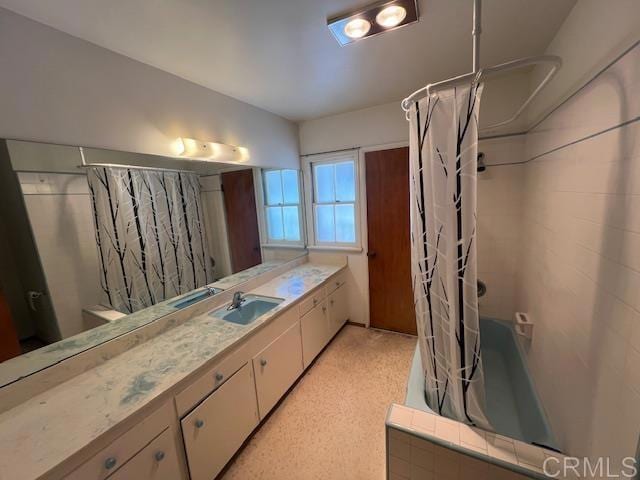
391,16
357,28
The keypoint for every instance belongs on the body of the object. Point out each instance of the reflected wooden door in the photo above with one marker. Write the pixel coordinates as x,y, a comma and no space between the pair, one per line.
242,219
9,344
389,245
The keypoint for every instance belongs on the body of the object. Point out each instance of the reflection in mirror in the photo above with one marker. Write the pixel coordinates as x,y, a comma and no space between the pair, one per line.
96,243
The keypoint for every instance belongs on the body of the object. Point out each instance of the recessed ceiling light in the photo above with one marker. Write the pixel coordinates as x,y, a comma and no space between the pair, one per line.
391,16
357,28
381,17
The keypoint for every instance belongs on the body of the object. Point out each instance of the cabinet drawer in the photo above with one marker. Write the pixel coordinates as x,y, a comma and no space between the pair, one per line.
312,300
336,281
217,427
209,381
124,447
157,461
315,332
277,367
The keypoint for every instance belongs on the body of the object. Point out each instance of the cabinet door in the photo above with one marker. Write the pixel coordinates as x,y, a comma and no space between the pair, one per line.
277,367
315,332
157,461
216,428
338,309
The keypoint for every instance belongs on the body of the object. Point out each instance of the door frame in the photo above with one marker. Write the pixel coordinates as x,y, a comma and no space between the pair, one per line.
364,214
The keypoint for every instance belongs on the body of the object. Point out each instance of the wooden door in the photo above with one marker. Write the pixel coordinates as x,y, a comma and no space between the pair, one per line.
389,248
242,219
9,344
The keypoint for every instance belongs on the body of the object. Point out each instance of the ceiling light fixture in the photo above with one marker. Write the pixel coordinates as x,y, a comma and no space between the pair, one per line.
357,28
391,16
372,20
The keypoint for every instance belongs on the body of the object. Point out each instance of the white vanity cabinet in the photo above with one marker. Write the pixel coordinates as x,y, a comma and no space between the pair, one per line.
134,451
315,331
338,303
157,461
217,427
277,367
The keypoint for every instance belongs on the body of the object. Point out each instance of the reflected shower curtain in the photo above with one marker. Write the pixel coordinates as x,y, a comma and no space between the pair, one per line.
443,155
150,235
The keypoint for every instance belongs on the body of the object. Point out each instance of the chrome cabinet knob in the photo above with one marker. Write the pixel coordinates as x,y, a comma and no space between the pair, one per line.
110,462
263,362
159,456
219,377
199,423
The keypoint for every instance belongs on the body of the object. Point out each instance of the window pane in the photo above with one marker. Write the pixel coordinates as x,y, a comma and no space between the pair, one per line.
323,175
345,182
273,187
274,223
345,224
291,223
325,227
290,186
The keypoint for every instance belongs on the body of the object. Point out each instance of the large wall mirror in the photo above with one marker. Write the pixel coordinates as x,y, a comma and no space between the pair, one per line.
96,243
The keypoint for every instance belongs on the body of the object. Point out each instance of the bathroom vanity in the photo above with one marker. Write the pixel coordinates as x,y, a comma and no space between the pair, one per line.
180,404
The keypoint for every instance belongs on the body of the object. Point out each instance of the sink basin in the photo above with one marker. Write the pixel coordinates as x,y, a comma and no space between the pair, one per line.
194,297
252,308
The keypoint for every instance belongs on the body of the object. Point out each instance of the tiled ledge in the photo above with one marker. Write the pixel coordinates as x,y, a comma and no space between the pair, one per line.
426,446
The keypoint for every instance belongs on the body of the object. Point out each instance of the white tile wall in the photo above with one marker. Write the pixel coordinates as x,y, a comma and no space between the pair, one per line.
578,275
499,205
60,215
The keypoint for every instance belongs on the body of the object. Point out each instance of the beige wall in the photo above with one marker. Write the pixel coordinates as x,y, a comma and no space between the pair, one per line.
59,89
579,271
594,33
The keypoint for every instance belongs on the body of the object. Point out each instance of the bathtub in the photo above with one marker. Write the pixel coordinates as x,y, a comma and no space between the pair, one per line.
513,407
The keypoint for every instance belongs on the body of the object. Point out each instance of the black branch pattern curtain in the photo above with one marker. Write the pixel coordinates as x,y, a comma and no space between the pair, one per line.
150,235
443,152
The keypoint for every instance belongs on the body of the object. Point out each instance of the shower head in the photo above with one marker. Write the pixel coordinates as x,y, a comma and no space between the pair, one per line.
481,166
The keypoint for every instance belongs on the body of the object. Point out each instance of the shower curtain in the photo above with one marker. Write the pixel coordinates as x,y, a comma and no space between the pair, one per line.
443,156
150,235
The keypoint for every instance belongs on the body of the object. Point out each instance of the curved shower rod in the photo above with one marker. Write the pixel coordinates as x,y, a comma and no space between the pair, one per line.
483,73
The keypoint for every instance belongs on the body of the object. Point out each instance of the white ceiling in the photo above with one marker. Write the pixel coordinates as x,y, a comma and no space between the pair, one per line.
279,54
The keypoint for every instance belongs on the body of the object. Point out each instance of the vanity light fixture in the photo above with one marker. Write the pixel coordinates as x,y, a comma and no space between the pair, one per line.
202,150
372,20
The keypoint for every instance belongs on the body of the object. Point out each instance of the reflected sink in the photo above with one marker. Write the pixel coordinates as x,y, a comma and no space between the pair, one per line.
253,308
194,297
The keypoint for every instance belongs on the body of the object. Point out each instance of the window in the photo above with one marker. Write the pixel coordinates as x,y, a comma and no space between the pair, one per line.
334,201
282,206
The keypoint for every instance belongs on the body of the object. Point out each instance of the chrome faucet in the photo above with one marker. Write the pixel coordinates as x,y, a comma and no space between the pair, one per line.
238,299
210,290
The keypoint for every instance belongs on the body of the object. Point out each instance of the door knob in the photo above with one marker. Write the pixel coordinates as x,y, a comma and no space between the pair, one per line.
199,423
263,362
371,254
219,377
159,456
110,462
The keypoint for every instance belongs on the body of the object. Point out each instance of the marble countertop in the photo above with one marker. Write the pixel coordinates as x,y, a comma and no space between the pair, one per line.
43,432
29,363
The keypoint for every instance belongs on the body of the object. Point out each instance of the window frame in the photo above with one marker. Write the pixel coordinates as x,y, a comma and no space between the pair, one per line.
311,204
267,241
